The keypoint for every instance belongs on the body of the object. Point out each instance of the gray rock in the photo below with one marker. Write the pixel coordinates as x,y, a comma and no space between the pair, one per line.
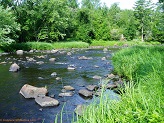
96,77
111,76
31,51
111,86
80,109
69,53
85,93
58,78
45,101
52,59
105,49
14,68
69,88
84,58
54,74
54,51
66,94
29,91
103,58
40,62
71,68
19,52
92,87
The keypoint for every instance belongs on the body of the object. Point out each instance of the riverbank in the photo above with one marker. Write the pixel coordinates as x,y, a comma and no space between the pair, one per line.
142,100
5,47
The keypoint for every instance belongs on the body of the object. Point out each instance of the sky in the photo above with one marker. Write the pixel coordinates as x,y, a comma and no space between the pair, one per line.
123,4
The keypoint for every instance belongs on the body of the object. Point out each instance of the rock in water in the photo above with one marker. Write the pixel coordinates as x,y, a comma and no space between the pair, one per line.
52,59
19,52
96,77
92,87
80,109
69,88
53,74
85,93
45,101
14,68
29,91
66,94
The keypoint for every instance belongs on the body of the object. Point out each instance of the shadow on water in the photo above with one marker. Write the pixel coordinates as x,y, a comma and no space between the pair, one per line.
14,106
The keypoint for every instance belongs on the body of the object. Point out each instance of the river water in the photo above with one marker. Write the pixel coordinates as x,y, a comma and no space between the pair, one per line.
14,107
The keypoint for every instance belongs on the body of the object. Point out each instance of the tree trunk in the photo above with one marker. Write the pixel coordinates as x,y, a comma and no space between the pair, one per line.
142,34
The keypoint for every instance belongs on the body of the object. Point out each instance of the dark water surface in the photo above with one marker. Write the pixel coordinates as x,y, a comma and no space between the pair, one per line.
14,106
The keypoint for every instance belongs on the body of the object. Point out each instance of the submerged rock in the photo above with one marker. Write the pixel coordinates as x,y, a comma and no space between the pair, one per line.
46,101
29,91
85,93
14,68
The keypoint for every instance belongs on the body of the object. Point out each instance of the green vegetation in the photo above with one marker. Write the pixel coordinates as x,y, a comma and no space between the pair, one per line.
69,45
121,43
143,100
67,20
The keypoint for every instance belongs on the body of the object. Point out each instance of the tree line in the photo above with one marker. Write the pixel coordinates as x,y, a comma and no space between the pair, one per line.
61,20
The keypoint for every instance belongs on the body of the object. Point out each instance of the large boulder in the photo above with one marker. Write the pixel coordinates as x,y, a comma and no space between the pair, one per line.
19,52
45,101
85,93
14,68
29,91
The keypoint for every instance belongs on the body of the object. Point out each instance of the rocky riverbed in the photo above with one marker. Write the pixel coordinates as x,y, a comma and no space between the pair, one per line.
71,77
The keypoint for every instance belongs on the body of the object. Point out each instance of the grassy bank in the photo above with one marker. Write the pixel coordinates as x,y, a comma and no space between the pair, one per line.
67,45
121,43
143,100
41,46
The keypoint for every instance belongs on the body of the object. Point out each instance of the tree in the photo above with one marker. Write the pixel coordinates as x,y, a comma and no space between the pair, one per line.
8,25
143,11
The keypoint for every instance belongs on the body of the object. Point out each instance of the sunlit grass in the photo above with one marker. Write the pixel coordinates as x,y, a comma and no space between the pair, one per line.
68,45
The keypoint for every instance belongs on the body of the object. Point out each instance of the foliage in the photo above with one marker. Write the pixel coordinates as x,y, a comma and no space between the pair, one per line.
143,98
8,26
143,11
67,20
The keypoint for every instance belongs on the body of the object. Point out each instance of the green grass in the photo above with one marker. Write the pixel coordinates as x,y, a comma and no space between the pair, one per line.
68,45
121,43
143,100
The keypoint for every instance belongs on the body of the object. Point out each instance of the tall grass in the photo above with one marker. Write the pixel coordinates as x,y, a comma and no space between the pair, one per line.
68,45
143,100
121,43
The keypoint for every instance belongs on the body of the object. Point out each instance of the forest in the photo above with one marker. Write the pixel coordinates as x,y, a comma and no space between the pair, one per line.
69,20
